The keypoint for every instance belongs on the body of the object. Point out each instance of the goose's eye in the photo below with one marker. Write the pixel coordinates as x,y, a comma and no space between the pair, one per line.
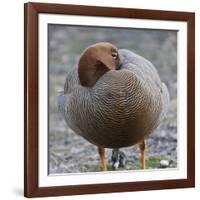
114,55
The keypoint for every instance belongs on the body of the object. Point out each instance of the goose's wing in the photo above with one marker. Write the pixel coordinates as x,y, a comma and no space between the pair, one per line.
148,72
71,83
165,102
140,65
72,80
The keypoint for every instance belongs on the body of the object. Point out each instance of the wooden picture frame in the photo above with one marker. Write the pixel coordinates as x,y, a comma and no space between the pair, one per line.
31,105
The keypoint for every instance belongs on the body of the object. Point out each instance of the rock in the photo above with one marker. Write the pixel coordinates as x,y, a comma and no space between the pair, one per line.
115,165
164,163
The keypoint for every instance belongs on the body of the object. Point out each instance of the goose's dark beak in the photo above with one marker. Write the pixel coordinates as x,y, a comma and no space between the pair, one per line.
120,63
119,66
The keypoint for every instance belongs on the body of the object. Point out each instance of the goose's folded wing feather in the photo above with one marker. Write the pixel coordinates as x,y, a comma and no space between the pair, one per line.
147,71
165,102
72,80
71,83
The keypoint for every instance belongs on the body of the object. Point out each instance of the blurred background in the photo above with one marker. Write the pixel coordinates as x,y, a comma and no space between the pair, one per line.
70,153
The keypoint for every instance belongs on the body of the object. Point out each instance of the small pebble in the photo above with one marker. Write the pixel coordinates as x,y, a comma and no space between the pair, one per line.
116,165
164,163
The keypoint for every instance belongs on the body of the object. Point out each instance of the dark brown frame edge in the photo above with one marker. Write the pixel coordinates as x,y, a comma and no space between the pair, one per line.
31,187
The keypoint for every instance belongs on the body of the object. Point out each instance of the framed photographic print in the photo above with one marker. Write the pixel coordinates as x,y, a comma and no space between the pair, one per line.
109,99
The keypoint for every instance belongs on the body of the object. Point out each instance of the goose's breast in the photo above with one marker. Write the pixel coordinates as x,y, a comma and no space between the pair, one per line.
117,112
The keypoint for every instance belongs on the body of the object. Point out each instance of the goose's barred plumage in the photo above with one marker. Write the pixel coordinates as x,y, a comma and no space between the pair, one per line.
121,109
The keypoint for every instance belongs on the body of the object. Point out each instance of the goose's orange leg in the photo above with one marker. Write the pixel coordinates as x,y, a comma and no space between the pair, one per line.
101,151
143,149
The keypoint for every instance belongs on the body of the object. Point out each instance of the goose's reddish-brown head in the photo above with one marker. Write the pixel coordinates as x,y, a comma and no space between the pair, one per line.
95,61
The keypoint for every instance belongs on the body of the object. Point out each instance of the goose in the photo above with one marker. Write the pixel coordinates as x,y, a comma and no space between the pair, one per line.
113,98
